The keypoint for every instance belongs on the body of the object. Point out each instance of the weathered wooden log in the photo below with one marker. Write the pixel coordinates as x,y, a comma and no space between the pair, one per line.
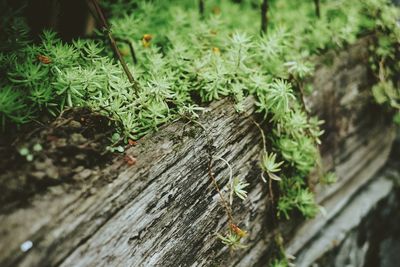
164,211
345,240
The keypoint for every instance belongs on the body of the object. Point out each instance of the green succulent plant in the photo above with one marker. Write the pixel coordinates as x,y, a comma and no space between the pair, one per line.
188,60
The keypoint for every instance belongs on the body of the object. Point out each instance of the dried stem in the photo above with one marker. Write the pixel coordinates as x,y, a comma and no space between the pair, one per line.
264,17
201,8
230,179
132,50
224,202
264,140
210,173
271,192
119,39
317,8
104,25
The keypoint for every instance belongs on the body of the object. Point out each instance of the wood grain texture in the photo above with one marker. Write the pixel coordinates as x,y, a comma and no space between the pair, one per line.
163,211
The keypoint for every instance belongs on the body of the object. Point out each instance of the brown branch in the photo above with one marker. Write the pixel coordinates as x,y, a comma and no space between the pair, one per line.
224,202
227,208
317,8
201,8
131,48
264,17
118,39
104,25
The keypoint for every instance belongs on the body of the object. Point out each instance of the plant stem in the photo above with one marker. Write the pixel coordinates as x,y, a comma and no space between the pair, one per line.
104,25
264,17
201,8
230,179
264,140
317,8
129,43
224,202
118,39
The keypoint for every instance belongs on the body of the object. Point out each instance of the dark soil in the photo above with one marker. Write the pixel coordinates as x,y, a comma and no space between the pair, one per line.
66,150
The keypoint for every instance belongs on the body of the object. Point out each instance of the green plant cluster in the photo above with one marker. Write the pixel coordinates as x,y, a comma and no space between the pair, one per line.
186,60
221,55
384,57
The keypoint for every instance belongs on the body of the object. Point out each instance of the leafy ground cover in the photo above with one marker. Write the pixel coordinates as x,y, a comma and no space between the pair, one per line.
185,59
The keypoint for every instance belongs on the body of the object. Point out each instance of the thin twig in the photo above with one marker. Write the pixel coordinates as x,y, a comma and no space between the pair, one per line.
131,48
201,8
224,202
264,140
230,178
119,39
104,25
317,8
264,17
227,208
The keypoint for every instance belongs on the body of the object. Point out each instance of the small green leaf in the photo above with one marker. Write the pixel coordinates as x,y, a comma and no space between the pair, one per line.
37,147
24,151
239,188
29,157
115,137
396,118
120,149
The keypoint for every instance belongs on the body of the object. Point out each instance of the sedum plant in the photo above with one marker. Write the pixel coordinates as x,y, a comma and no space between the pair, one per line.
186,59
270,166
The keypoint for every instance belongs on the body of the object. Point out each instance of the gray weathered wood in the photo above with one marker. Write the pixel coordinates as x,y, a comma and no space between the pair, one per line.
163,211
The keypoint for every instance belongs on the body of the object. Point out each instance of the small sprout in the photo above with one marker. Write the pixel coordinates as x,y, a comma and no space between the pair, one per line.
231,240
241,233
270,166
233,237
306,203
120,149
308,89
238,188
29,157
396,118
24,151
27,245
314,128
115,137
37,147
329,178
114,149
299,69
190,111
